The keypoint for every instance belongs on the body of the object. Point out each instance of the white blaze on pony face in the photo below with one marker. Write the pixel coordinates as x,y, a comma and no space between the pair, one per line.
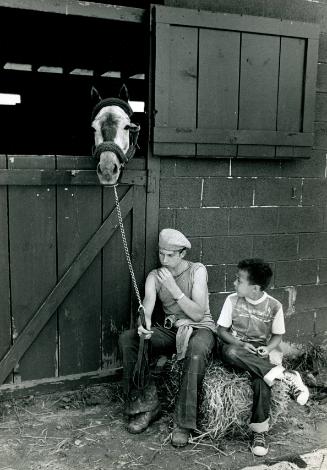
111,124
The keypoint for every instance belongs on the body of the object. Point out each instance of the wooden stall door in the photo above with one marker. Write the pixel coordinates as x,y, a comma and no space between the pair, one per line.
66,287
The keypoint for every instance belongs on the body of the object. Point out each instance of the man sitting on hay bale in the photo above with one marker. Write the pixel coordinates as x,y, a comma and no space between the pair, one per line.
251,325
189,330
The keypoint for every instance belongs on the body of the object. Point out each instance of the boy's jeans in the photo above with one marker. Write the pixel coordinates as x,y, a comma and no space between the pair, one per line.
238,358
163,341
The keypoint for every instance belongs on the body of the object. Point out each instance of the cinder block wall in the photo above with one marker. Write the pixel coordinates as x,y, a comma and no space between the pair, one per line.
277,210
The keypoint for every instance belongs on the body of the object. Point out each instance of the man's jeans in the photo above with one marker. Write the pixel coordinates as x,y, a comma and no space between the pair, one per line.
238,358
163,341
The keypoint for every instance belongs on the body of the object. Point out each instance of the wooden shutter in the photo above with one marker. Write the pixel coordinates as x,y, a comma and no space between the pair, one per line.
233,86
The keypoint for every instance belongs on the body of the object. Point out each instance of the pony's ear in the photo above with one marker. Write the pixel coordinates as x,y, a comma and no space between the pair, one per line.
123,93
95,96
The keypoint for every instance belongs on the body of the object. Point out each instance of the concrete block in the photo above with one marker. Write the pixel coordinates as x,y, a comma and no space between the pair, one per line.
301,10
231,271
166,218
180,192
321,107
216,302
228,192
194,254
216,278
314,192
202,167
293,273
277,192
313,245
323,271
321,325
300,327
275,247
322,73
202,222
300,219
322,54
311,167
285,297
167,167
253,168
253,221
310,297
251,7
320,135
219,250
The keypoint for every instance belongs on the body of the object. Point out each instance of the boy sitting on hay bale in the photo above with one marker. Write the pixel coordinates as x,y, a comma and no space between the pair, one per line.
251,326
189,330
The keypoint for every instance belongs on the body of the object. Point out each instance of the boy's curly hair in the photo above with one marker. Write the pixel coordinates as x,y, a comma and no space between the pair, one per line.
259,272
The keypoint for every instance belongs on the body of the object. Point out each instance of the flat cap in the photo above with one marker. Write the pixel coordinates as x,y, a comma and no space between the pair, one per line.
173,240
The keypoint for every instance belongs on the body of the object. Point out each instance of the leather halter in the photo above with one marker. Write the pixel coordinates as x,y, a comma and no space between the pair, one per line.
111,146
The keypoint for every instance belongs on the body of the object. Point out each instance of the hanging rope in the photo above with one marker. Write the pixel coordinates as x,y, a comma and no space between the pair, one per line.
142,368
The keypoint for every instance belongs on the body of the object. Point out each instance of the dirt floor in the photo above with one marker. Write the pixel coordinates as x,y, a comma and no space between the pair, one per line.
86,430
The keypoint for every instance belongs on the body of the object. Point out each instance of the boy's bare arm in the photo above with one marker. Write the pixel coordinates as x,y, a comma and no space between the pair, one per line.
195,308
274,341
148,304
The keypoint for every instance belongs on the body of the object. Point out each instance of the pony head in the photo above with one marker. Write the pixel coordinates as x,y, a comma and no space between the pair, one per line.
115,137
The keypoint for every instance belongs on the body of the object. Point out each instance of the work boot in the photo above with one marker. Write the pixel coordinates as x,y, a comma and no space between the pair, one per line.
141,421
140,401
180,436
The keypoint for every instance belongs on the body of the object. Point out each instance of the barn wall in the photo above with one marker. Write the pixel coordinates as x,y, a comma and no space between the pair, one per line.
277,210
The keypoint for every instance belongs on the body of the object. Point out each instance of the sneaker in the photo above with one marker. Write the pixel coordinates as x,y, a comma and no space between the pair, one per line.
298,390
259,446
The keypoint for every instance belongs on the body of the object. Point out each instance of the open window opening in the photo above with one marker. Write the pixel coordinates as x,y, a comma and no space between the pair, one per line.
50,63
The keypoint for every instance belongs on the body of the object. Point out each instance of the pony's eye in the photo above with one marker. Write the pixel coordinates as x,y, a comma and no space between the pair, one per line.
127,127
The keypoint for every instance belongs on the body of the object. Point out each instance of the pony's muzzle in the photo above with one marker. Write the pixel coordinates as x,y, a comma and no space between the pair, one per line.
104,172
108,168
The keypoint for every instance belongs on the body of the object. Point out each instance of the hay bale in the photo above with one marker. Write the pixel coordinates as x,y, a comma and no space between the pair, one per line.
227,398
226,402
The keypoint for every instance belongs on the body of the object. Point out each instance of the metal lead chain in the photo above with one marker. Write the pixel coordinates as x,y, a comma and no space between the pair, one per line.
128,258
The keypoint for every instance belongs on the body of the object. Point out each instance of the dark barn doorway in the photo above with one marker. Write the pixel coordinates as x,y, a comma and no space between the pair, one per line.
52,61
